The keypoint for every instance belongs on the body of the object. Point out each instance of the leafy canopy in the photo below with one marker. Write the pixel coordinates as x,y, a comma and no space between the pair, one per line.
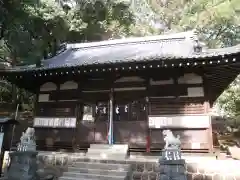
32,30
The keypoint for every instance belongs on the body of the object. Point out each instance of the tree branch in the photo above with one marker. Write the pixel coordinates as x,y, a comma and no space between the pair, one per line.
3,28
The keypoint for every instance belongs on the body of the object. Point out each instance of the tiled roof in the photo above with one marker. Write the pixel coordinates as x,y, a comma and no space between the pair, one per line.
173,46
124,50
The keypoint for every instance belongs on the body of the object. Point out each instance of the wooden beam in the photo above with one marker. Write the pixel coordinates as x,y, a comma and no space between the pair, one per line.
110,125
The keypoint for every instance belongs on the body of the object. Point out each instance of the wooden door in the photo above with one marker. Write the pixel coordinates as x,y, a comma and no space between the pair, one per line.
130,123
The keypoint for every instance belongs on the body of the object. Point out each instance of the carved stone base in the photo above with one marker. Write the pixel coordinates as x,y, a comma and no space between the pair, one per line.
23,166
171,154
172,170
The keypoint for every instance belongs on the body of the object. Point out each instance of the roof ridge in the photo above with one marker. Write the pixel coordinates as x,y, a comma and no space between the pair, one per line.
170,36
237,47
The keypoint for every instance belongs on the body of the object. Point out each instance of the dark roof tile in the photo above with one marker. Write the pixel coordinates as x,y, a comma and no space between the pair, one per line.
125,50
174,46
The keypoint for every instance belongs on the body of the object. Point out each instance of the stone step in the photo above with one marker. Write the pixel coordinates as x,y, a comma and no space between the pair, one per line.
90,176
98,159
73,178
106,156
115,172
106,153
108,146
107,150
105,166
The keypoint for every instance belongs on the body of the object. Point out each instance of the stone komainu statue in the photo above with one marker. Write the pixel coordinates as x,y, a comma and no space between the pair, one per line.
27,141
172,166
171,142
172,149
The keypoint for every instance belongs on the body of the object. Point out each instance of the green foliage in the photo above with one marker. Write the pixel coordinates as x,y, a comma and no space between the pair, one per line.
98,20
229,101
217,22
33,30
5,91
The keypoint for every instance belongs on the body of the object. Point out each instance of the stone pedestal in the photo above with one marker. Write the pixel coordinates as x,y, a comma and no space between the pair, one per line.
23,166
172,170
172,167
171,154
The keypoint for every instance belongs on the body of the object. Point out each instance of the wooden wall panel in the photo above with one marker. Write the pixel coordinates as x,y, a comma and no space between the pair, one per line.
191,139
70,94
167,90
85,134
97,84
129,84
56,109
48,86
54,139
132,133
94,97
101,132
129,95
176,106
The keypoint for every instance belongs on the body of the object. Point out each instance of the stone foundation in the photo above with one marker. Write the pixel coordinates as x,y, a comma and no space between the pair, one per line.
214,170
146,168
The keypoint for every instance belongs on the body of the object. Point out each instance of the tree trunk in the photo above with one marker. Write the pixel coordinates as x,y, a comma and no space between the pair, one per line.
14,88
54,47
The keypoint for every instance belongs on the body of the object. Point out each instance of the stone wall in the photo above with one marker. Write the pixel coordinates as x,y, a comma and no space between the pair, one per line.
214,170
49,162
196,170
146,168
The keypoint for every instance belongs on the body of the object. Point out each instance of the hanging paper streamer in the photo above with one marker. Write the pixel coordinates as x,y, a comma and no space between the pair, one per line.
110,134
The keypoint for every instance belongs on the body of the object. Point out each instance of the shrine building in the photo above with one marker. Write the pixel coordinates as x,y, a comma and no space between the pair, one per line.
127,91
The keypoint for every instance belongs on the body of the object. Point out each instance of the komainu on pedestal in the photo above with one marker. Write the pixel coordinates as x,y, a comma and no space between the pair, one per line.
23,165
172,166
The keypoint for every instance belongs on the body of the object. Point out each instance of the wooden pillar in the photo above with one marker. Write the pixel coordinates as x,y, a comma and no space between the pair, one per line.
110,126
148,138
148,133
175,82
207,109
